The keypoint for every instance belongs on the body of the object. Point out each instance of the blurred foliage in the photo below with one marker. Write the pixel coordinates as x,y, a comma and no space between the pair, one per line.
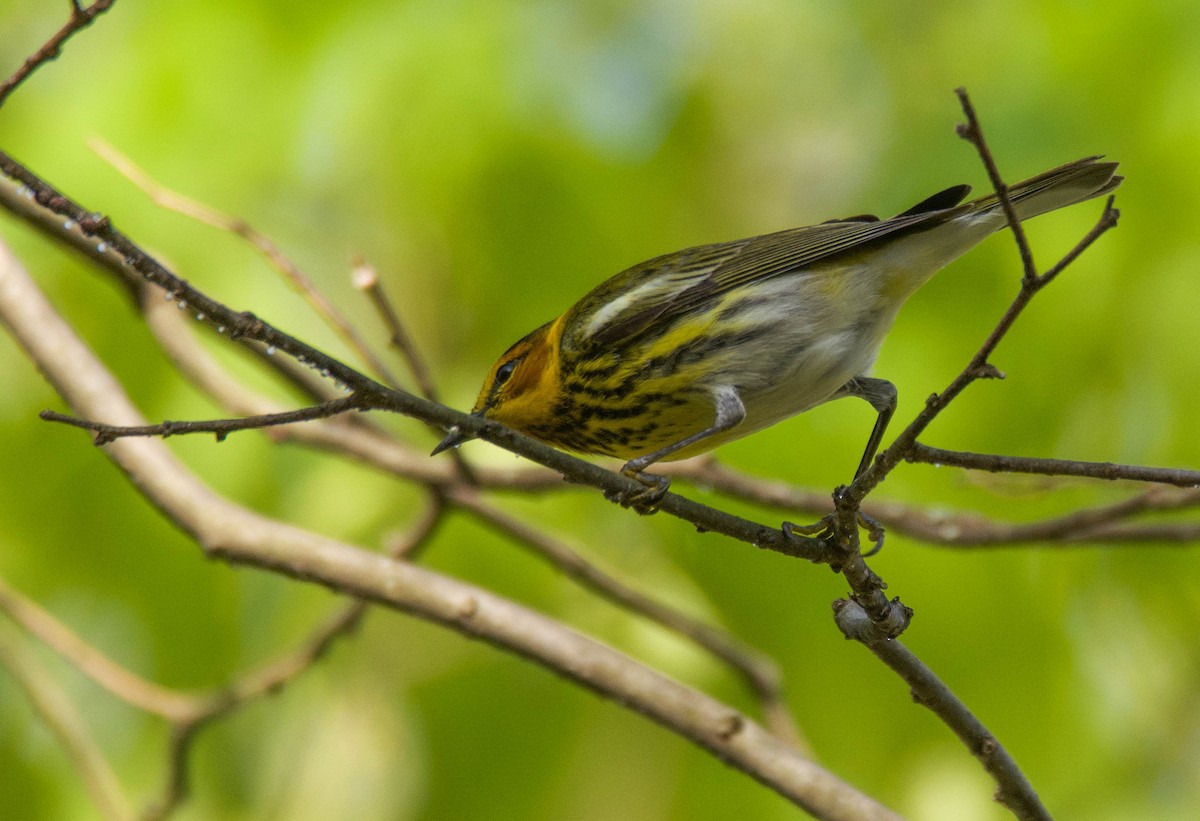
495,160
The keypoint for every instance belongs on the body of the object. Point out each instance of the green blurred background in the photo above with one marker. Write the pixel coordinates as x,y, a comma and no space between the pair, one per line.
497,159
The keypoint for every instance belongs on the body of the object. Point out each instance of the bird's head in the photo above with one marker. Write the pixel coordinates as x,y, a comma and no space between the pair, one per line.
521,389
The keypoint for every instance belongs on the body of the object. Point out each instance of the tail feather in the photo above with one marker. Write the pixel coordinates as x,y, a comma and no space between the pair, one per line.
1057,188
913,258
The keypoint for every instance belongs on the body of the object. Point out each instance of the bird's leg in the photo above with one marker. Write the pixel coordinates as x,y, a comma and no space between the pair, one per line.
729,412
882,396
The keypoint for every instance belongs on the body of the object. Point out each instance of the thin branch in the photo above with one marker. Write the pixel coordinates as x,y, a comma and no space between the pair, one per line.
270,251
81,18
979,367
220,428
130,688
973,133
1107,471
939,527
176,787
366,279
56,710
860,619
1013,789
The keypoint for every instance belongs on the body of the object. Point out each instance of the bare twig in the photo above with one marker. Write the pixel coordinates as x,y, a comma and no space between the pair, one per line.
131,688
1108,471
56,710
270,251
221,428
972,133
1014,790
366,279
81,18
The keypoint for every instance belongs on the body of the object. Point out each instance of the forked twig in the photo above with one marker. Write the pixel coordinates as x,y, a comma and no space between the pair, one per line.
1013,788
973,133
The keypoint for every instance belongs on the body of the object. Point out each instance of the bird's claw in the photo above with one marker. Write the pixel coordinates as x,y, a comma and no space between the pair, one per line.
823,527
645,500
826,527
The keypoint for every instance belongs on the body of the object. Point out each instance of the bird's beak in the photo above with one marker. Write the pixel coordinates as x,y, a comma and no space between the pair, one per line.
454,437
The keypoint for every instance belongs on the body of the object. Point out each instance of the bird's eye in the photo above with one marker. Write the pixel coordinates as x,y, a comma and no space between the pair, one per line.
505,371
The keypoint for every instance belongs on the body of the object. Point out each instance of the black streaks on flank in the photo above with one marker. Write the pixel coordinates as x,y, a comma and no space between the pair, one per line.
610,412
603,365
703,347
585,389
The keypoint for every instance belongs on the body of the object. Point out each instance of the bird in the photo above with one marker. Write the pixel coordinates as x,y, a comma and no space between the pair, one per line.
692,349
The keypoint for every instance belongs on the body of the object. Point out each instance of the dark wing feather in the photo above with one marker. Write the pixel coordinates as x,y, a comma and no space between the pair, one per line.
698,274
940,201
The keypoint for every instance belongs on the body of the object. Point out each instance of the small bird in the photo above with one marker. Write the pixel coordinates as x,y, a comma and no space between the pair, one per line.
686,351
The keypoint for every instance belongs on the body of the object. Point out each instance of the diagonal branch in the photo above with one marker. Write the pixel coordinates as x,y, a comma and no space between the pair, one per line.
759,671
64,721
81,18
266,247
972,132
133,689
1013,789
